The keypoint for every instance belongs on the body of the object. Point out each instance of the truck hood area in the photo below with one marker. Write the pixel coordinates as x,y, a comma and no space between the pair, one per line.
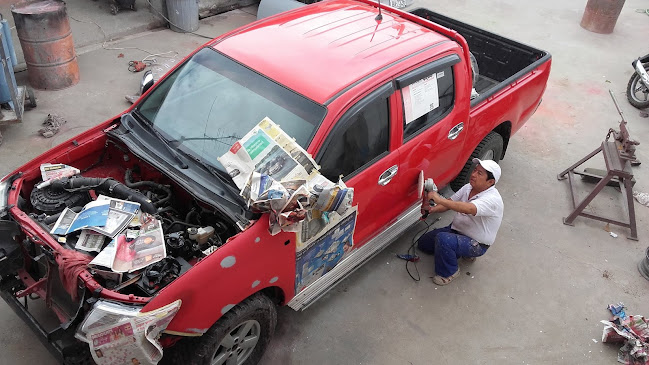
162,220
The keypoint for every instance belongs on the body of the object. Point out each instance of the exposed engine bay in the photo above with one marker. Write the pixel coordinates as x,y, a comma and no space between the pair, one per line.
192,229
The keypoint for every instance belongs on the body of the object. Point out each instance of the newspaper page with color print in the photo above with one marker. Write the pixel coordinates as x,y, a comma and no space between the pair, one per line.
133,340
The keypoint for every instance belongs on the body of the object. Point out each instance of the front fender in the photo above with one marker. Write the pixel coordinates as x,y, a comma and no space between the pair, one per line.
251,261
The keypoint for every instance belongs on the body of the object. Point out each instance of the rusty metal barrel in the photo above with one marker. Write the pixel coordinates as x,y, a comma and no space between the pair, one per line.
46,38
600,16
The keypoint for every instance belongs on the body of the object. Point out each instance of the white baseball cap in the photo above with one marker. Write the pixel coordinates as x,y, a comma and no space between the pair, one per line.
489,165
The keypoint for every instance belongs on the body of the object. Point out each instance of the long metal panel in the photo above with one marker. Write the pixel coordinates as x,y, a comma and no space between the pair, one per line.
320,287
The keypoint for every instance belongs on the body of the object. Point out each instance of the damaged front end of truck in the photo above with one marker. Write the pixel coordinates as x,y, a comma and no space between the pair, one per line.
161,157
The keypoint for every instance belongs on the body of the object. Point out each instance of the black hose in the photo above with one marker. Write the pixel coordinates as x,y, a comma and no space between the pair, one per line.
54,217
182,224
167,209
128,180
107,186
190,215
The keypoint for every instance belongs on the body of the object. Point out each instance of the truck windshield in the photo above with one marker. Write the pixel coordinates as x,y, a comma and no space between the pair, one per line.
211,101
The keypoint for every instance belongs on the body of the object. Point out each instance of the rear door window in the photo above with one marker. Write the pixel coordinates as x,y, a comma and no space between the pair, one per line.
428,95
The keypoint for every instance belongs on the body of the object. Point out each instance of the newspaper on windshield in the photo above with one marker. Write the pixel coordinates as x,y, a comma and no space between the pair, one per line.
136,253
268,150
132,340
278,177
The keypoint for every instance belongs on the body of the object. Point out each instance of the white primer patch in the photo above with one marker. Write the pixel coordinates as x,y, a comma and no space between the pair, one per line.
255,283
274,279
228,262
257,239
227,308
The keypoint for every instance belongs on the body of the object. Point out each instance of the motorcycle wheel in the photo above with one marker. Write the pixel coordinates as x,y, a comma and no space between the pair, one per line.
636,91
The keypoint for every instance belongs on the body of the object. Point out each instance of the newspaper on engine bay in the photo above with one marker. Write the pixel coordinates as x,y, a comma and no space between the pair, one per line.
277,176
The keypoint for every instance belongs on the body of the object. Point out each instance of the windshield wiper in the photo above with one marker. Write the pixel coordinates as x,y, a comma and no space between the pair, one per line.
217,139
164,141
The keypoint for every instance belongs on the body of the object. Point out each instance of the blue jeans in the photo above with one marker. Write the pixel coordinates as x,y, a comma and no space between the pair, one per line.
448,245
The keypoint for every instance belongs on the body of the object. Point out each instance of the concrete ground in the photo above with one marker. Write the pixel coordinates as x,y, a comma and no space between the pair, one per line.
536,297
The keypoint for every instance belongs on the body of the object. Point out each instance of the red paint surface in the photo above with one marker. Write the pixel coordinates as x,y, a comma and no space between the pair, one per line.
325,64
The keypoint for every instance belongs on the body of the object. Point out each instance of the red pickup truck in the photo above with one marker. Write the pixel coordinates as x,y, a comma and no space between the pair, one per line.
374,99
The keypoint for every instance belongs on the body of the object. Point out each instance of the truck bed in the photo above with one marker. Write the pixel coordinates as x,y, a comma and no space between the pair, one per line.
500,60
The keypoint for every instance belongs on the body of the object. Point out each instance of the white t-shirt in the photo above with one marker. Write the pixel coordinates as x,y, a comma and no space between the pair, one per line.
484,225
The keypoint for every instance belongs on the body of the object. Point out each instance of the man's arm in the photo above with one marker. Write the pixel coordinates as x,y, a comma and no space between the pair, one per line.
460,207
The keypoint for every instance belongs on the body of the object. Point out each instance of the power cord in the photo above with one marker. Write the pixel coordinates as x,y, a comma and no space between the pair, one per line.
148,59
411,256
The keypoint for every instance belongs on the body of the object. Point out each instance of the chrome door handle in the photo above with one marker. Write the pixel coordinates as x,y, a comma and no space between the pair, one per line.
387,175
455,131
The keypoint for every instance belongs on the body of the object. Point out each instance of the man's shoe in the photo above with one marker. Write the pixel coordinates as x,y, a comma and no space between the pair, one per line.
440,280
468,259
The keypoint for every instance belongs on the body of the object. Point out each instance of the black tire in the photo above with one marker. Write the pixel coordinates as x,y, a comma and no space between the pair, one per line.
635,89
202,350
491,148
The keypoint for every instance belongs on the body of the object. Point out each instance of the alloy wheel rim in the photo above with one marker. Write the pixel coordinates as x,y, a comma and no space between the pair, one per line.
639,89
238,344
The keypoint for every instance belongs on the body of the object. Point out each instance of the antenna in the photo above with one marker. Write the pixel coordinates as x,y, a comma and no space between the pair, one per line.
380,16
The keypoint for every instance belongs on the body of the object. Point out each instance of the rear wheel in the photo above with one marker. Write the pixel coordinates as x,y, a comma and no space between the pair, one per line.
491,148
239,337
637,92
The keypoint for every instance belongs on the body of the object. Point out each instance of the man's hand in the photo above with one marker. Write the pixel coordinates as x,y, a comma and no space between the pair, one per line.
434,196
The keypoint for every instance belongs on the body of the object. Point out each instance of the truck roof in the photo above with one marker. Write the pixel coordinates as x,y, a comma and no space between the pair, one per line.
320,49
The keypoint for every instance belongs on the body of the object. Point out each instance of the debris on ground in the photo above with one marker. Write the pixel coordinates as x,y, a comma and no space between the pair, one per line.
644,114
606,274
632,331
51,125
614,235
121,55
642,198
132,98
136,66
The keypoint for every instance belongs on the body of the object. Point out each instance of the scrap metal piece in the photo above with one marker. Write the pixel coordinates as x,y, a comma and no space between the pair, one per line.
618,155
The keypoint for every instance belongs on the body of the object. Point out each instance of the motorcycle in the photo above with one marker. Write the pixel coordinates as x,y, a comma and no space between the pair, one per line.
637,91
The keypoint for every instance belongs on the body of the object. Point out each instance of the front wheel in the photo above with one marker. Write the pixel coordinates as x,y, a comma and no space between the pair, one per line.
240,337
637,92
490,148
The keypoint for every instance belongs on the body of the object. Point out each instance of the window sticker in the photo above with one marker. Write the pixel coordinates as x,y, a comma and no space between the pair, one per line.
440,75
420,97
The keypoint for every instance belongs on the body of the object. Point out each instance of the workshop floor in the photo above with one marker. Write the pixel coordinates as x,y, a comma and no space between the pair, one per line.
536,297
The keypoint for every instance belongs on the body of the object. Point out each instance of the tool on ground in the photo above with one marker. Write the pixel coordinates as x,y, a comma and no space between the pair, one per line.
136,66
618,156
411,258
429,185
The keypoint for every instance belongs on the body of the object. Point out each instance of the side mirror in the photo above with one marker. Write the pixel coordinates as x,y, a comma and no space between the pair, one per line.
147,82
